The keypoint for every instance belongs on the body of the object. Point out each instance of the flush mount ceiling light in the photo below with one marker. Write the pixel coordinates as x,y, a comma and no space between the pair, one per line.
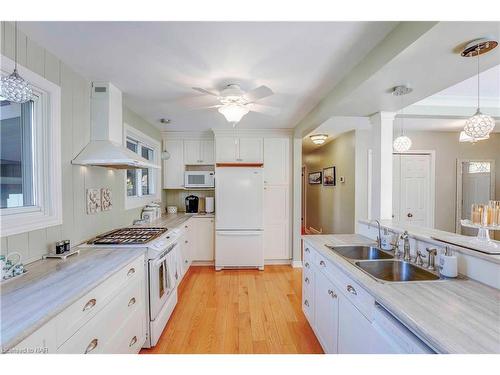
13,87
465,138
318,139
480,125
402,143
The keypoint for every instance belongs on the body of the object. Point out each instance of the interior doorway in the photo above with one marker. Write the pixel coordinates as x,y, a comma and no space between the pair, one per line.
303,223
414,188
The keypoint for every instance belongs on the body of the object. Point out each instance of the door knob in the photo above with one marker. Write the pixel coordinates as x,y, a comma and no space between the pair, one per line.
409,214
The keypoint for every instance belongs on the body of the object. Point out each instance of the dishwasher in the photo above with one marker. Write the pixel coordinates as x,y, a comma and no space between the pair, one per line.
392,337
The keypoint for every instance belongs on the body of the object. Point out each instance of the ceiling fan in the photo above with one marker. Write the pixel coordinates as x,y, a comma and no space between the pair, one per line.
236,103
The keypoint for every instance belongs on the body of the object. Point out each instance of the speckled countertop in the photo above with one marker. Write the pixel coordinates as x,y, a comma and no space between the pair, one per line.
172,221
51,285
452,316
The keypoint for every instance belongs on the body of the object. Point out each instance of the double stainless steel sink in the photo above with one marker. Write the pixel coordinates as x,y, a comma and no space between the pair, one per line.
381,265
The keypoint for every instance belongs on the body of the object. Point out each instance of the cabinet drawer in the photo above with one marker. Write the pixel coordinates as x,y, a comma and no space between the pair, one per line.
93,336
308,253
130,336
357,295
308,279
308,304
76,315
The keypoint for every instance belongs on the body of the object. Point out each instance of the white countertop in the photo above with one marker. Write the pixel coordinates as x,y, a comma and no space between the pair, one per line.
172,221
51,285
453,316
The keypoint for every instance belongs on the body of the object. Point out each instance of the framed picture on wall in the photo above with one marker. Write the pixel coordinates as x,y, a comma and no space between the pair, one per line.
315,178
329,178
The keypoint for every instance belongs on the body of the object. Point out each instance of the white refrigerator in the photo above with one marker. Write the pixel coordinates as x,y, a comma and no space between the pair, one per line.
239,217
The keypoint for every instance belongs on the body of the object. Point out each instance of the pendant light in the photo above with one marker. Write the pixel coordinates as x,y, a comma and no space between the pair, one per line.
401,143
13,87
479,126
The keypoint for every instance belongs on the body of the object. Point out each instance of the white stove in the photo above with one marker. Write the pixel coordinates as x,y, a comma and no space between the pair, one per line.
163,270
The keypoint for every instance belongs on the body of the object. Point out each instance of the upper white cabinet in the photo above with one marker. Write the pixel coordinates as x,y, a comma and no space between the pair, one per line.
239,150
276,161
173,168
198,151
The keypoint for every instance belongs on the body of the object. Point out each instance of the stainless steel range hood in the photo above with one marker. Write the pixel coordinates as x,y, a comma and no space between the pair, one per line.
105,148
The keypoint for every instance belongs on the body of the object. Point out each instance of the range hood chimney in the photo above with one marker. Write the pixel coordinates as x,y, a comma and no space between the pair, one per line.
105,148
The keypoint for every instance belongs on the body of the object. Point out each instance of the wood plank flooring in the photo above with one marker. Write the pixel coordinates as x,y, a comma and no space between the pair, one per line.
239,311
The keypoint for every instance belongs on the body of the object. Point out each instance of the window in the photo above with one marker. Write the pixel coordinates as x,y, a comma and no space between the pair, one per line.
142,185
30,157
16,149
478,167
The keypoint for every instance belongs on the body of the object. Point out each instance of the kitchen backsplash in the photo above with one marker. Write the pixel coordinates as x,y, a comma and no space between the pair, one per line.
176,197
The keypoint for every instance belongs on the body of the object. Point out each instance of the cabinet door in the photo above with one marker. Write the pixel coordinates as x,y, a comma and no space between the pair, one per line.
204,231
250,150
173,168
276,161
207,152
276,223
192,151
226,149
326,310
355,331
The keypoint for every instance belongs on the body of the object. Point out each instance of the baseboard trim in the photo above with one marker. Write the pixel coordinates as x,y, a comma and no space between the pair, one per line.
196,263
272,262
297,264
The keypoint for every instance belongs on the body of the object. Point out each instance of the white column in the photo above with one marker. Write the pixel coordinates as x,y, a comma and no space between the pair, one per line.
382,134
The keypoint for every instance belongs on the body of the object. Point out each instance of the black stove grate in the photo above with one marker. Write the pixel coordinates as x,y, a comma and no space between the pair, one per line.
128,236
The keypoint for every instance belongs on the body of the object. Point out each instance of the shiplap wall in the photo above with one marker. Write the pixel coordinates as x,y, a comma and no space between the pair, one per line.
75,134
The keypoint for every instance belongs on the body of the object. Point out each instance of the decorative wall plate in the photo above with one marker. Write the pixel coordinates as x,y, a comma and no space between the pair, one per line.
106,202
93,201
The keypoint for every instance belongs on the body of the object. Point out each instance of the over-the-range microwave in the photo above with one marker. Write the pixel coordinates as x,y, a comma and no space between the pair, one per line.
199,179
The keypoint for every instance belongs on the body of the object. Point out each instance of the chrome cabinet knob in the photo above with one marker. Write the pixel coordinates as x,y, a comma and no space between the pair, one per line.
307,280
307,250
133,341
322,263
409,214
91,303
91,346
131,271
306,302
307,265
131,302
351,290
331,293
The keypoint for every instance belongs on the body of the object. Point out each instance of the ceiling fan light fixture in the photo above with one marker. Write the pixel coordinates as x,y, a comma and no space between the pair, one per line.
233,112
318,139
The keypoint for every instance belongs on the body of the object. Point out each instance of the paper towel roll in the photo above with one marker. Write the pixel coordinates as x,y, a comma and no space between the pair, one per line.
209,205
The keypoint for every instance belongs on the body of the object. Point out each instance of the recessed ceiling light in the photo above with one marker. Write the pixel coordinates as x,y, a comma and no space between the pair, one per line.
319,139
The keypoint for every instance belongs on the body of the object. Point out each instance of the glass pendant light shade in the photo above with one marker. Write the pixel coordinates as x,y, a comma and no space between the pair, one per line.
233,112
15,89
479,126
401,143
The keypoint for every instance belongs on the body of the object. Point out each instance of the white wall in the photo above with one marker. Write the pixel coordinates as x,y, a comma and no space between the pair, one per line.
75,133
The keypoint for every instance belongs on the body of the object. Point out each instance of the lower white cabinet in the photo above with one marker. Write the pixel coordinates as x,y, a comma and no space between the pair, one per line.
355,330
111,318
276,223
326,313
202,236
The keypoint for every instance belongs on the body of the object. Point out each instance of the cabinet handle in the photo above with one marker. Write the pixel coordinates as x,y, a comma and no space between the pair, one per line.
307,280
133,341
306,302
132,301
307,250
91,303
307,265
131,271
322,263
91,346
330,292
351,290
186,261
186,241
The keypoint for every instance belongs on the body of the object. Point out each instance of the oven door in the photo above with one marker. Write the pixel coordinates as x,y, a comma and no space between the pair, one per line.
161,282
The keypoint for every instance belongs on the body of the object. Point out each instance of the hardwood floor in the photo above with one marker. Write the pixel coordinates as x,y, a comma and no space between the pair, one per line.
239,311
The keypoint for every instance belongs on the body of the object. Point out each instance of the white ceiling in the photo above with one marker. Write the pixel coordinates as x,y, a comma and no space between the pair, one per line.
155,64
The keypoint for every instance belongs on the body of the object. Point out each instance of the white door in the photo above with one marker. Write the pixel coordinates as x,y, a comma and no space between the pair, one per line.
226,149
239,198
276,233
204,232
412,189
192,151
276,161
326,310
207,152
355,331
250,150
173,168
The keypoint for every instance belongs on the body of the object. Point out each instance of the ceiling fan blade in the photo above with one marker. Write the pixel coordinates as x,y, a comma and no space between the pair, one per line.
258,93
203,91
264,109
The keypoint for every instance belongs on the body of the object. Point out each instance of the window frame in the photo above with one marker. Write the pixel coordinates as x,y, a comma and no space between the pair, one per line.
142,139
47,210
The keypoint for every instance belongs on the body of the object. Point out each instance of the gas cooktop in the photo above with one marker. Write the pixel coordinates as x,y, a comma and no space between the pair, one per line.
128,236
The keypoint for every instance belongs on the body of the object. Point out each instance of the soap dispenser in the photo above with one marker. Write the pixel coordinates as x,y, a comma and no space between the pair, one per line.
448,264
